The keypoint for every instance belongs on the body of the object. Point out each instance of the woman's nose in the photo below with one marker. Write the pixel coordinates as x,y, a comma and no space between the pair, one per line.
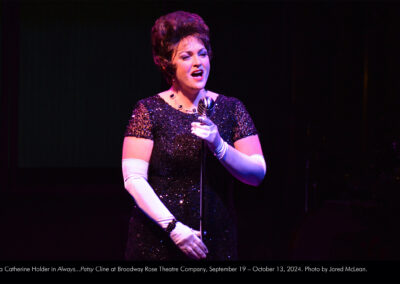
196,61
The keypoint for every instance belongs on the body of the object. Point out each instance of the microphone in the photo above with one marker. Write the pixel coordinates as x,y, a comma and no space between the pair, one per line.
205,106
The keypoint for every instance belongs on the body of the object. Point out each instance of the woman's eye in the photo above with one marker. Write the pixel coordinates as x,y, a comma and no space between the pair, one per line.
185,57
203,54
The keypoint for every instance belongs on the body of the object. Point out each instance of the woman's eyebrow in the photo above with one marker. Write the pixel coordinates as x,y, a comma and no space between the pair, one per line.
190,51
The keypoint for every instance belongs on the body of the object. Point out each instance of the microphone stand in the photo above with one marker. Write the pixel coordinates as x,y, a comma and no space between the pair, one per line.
202,181
205,108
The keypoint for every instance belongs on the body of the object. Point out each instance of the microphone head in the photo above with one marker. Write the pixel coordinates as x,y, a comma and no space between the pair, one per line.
205,106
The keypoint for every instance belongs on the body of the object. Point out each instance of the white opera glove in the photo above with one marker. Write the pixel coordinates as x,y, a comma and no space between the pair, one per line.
207,130
188,240
135,181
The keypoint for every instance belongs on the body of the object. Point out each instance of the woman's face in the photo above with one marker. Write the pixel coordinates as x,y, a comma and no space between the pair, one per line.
192,64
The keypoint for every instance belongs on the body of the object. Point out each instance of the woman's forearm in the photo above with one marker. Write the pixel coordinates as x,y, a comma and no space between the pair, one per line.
135,181
248,169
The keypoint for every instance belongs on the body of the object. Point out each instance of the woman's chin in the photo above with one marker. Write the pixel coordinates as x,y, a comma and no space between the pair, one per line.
200,85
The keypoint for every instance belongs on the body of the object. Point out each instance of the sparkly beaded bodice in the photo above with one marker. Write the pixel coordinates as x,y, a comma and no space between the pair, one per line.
174,175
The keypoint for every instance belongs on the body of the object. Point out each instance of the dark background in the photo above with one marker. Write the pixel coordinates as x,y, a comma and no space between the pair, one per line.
319,79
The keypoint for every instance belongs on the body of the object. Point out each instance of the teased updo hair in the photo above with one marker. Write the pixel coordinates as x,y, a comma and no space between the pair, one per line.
171,28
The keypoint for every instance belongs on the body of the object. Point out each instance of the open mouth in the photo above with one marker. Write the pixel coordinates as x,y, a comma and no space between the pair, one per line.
197,73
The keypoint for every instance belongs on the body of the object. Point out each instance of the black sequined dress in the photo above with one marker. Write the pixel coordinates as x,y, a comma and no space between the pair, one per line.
174,175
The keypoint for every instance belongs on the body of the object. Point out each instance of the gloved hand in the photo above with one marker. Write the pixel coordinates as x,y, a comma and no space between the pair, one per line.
207,130
249,169
188,240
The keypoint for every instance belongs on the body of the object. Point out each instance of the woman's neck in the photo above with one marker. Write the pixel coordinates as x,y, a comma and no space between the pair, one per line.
188,99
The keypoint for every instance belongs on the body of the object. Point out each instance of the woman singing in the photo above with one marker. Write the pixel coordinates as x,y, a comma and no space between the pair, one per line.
161,153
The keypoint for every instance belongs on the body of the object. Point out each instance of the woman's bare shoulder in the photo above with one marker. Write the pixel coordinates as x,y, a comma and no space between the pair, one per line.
165,94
